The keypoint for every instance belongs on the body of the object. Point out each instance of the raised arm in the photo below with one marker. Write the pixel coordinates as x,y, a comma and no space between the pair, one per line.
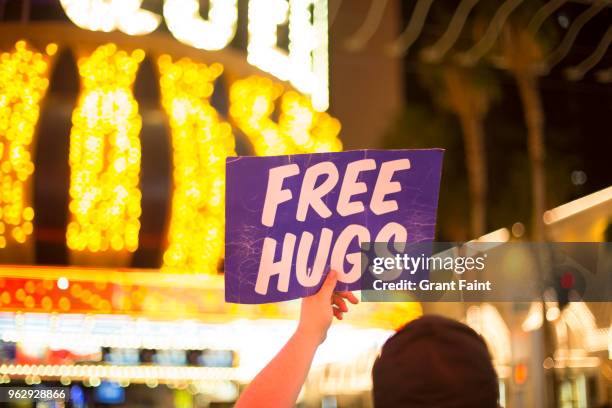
278,384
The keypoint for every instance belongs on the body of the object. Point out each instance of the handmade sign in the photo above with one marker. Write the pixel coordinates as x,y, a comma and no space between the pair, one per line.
289,219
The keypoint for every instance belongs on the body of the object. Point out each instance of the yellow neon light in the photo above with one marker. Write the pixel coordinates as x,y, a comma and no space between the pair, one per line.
200,144
300,129
105,154
23,84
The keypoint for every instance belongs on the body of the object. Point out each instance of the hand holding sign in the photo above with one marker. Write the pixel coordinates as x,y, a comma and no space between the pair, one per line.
318,310
314,210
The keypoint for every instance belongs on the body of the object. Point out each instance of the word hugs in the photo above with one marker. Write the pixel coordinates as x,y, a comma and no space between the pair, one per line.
316,184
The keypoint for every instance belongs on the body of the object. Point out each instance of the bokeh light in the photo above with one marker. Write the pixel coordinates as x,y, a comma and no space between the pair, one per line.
105,154
200,143
299,129
23,83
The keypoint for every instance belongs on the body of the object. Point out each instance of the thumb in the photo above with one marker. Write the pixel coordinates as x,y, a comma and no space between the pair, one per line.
330,284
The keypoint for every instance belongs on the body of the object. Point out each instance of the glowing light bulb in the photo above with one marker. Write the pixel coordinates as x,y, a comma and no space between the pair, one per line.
63,283
110,15
299,129
200,144
104,154
306,65
24,79
186,25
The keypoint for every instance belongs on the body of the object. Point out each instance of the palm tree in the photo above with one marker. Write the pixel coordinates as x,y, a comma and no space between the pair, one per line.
464,92
470,102
522,54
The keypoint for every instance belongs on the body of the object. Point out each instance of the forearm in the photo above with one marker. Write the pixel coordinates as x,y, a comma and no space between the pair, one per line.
278,384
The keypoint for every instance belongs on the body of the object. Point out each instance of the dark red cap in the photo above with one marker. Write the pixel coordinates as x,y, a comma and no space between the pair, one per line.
435,362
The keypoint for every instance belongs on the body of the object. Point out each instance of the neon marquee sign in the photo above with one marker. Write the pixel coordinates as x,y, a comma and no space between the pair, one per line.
305,65
104,155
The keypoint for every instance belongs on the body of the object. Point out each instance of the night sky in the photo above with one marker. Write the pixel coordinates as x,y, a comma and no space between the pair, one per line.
577,113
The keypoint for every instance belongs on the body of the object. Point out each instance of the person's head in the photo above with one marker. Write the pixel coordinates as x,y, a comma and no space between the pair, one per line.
435,362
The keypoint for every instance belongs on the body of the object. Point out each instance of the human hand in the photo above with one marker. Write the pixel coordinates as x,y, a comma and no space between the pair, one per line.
318,310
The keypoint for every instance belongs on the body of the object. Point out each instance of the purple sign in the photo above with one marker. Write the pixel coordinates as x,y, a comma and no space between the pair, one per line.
289,219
